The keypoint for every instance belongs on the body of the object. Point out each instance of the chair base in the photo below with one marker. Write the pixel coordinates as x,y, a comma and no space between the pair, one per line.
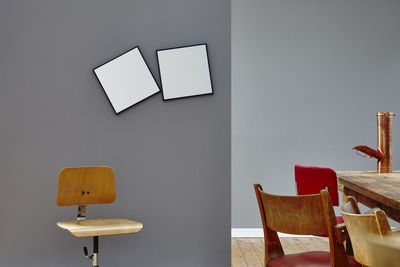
95,256
95,251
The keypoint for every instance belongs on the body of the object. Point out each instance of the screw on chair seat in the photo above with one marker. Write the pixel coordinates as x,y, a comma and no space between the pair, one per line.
101,227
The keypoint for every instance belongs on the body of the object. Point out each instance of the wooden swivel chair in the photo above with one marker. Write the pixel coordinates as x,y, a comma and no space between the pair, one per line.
301,215
82,186
360,226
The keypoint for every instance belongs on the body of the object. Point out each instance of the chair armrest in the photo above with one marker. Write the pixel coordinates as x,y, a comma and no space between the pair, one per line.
371,211
341,232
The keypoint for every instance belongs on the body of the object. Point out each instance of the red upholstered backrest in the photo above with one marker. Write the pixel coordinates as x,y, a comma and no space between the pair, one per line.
311,180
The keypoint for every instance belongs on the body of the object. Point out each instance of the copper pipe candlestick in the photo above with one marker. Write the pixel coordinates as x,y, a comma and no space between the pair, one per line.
384,133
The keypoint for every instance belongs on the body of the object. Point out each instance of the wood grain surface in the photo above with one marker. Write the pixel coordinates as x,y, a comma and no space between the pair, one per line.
302,215
86,185
249,252
373,189
101,227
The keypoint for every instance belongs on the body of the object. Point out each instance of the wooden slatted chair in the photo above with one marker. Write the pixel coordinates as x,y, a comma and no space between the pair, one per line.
360,226
82,186
301,215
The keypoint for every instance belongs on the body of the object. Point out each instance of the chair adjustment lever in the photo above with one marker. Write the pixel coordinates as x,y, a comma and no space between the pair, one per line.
85,251
95,256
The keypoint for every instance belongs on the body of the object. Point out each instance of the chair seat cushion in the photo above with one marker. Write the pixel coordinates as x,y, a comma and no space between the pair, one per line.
307,259
339,219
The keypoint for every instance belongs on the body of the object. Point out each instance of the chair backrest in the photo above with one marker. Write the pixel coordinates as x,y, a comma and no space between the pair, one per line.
311,180
359,226
303,215
299,215
86,185
384,251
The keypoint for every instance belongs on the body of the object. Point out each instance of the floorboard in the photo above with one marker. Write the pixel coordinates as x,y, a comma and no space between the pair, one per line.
249,252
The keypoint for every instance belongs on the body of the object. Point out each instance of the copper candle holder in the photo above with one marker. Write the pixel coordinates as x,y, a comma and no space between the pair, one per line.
384,151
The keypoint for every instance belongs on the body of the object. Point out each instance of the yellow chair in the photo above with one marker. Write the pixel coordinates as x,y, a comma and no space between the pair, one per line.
82,186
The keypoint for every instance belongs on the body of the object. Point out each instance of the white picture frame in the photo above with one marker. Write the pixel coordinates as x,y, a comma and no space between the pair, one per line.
126,80
184,71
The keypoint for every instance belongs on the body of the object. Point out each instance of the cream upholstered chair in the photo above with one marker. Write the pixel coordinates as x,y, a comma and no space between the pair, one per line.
361,226
82,186
385,251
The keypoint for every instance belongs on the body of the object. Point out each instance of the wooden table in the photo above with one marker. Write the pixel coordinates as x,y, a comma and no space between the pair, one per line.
373,189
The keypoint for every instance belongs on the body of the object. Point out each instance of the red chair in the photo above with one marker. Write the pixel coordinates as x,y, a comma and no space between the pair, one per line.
311,180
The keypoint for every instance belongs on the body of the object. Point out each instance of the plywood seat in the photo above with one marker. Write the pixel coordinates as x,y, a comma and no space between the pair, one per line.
101,227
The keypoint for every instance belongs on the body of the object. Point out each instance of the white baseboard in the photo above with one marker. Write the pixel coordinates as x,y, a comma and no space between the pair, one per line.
257,232
247,232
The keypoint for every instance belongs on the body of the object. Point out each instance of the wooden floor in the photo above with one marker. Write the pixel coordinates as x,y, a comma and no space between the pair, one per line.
249,252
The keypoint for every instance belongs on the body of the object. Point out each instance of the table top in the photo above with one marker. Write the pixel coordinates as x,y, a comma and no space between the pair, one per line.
382,187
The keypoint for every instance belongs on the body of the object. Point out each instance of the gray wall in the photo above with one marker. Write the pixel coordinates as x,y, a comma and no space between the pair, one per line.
308,77
171,159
